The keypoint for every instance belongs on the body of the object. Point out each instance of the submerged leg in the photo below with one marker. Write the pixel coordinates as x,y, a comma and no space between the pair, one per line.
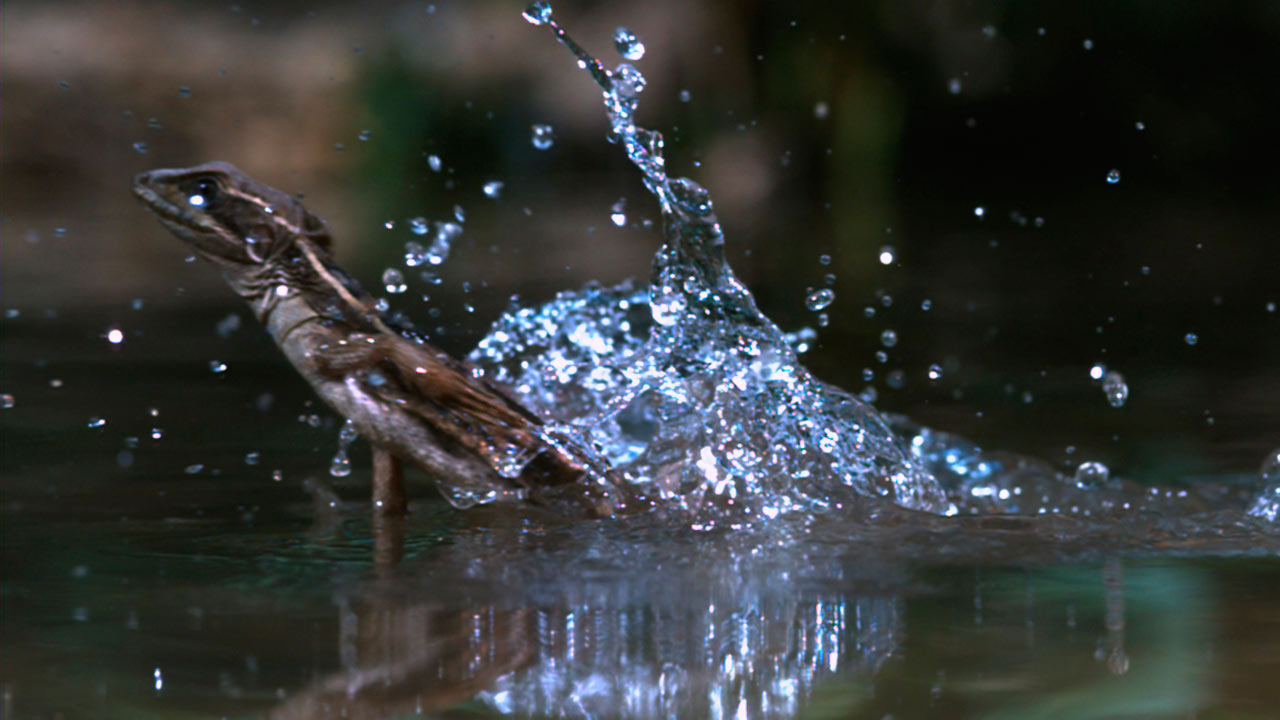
388,484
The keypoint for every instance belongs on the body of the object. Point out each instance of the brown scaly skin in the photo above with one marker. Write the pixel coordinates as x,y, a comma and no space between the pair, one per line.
412,402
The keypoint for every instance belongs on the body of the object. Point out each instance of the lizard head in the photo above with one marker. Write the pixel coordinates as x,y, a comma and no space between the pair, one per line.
228,217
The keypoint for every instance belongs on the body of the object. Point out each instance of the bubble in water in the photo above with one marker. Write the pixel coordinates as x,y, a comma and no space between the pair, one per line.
627,44
493,188
1091,474
889,338
537,13
886,255
217,367
542,137
1191,338
393,280
115,336
820,299
1115,388
935,372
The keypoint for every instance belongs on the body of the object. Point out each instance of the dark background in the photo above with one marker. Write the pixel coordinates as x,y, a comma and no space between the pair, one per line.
820,129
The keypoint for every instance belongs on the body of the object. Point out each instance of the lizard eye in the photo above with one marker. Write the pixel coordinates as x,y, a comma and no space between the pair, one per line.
202,192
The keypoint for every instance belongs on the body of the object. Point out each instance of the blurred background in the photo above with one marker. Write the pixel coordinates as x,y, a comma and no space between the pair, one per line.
1057,185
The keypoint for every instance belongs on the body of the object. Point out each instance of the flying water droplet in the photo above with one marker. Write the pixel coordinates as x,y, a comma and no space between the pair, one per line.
935,372
414,254
115,336
537,13
1115,388
493,188
446,233
140,148
433,162
954,86
543,137
217,367
886,255
1191,338
459,214
393,280
419,226
1113,177
365,135
628,82
820,299
617,212
627,44
252,458
340,466
979,211
6,401
194,469
889,338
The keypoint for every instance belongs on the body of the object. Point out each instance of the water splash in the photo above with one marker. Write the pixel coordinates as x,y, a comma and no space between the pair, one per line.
694,397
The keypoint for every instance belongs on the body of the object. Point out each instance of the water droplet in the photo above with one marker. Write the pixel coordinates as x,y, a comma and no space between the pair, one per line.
685,96
1097,371
1091,474
888,338
389,224
217,367
97,422
393,280
821,110
6,401
935,372
1191,338
617,212
628,82
537,12
365,135
433,162
140,148
926,304
1115,388
419,226
989,31
820,299
184,92
252,458
159,680
979,211
1113,177
1088,44
157,433
896,379
227,326
446,233
193,469
543,137
339,147
627,44
1271,306
277,475
493,188
414,254
954,86
886,255
115,336
459,214
1140,126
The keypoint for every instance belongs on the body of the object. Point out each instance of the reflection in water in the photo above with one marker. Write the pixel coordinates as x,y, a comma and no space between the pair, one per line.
611,627
520,617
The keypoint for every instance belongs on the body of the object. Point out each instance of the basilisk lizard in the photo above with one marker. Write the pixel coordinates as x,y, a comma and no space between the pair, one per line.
413,402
